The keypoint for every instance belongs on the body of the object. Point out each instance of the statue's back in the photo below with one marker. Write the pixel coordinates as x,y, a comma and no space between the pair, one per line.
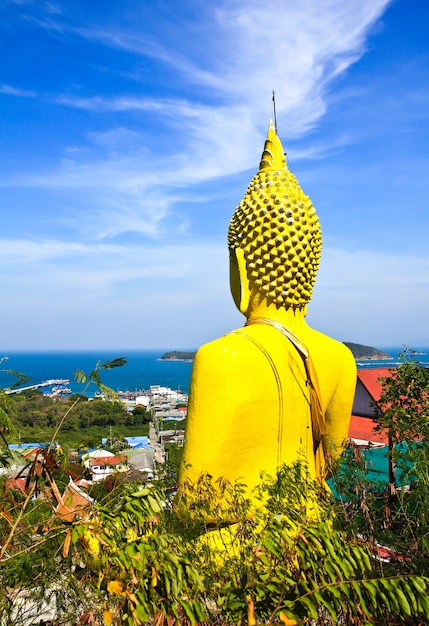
274,392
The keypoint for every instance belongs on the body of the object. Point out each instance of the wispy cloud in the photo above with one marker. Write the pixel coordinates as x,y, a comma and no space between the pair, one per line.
77,265
15,91
259,47
298,53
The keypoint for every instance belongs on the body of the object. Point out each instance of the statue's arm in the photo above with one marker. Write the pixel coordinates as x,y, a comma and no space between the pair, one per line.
222,399
212,410
338,412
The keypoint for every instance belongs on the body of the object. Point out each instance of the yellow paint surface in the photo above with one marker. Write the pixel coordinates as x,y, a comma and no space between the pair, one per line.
249,403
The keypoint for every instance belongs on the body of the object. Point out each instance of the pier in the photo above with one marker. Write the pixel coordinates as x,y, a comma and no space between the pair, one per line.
47,383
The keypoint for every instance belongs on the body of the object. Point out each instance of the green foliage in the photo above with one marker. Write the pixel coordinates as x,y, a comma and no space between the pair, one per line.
150,563
167,474
37,415
142,562
142,414
396,514
33,570
20,378
93,378
404,414
7,427
404,402
31,416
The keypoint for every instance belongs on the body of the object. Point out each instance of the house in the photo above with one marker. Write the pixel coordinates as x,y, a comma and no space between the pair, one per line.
368,390
103,466
364,415
171,436
102,463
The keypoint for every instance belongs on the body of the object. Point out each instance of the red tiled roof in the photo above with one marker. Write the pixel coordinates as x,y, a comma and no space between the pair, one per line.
363,428
370,377
107,460
17,483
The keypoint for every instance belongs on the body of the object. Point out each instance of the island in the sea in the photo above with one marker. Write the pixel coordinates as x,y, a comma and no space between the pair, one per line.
359,352
366,353
178,355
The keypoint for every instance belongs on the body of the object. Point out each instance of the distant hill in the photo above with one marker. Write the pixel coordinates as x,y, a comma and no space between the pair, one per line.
177,355
366,352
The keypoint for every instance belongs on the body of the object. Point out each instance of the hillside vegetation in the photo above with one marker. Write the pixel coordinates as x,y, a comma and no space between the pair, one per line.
178,355
366,352
35,417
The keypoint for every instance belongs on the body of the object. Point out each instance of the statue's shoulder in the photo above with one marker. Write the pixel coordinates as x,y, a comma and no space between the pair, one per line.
229,345
228,370
322,346
232,348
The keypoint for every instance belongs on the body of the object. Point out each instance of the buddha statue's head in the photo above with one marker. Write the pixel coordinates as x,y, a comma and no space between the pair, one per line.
274,238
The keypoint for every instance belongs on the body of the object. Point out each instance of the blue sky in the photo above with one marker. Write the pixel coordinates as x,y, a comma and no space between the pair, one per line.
130,130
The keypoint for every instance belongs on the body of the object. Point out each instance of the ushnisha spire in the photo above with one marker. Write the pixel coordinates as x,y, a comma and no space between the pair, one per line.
273,156
277,228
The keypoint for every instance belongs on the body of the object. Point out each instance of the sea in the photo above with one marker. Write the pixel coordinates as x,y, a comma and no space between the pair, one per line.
397,354
143,368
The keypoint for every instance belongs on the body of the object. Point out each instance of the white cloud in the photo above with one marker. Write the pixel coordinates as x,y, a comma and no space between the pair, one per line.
295,49
57,268
16,91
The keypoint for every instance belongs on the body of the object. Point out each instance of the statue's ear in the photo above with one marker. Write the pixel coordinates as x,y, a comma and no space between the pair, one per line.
244,303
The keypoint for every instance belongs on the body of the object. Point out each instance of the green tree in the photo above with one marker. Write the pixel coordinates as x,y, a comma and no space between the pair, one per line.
142,414
404,413
404,403
393,514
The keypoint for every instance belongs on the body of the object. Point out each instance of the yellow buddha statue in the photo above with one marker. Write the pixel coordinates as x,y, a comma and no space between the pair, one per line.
275,391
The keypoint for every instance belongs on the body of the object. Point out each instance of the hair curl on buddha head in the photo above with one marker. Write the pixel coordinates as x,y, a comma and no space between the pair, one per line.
278,230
